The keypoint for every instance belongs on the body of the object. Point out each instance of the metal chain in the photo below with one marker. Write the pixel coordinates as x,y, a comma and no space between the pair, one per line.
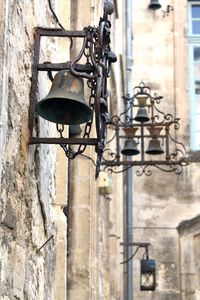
92,50
60,130
88,125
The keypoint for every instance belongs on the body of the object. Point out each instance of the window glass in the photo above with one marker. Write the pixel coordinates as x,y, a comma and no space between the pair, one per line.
196,11
194,69
197,87
197,54
196,27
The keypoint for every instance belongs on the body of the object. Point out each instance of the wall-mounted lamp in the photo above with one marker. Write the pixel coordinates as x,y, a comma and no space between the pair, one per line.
147,266
154,5
146,135
147,274
65,103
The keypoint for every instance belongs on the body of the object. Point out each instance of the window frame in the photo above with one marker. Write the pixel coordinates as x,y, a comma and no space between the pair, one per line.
191,3
193,41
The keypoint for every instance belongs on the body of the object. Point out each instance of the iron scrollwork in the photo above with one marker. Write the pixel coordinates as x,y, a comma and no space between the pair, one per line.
145,132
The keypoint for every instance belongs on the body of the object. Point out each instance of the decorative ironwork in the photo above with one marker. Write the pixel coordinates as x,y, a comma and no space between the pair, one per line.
141,123
98,58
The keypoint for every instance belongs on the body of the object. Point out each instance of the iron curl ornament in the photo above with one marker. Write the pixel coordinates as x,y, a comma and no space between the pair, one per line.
91,67
144,132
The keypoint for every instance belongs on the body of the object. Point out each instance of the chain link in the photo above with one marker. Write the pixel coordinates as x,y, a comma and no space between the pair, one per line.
60,128
93,53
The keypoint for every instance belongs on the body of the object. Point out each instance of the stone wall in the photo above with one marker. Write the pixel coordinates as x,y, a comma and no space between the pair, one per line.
30,206
189,234
77,262
34,179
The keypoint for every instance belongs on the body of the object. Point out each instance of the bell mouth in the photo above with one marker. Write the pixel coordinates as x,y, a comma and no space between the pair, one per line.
142,115
130,148
64,111
154,6
130,152
154,147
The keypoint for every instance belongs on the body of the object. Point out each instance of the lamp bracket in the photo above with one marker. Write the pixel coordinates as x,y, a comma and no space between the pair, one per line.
138,245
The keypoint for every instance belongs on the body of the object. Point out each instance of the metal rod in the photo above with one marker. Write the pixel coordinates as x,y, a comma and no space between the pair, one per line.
117,146
60,33
128,192
142,143
142,163
45,243
58,141
141,245
64,66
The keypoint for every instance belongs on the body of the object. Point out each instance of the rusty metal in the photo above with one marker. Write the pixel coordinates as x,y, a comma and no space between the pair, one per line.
154,130
138,245
57,141
96,52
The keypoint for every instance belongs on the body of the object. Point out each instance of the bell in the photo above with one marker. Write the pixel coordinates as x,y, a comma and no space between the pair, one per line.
154,147
142,115
154,5
130,148
74,130
65,103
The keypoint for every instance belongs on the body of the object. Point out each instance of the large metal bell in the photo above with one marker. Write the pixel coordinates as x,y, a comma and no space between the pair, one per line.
154,5
130,148
142,115
65,103
154,147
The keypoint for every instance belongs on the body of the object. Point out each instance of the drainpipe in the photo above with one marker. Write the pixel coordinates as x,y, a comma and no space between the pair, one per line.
128,176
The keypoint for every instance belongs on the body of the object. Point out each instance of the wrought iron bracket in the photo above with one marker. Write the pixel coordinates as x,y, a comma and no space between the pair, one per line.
150,124
138,245
96,70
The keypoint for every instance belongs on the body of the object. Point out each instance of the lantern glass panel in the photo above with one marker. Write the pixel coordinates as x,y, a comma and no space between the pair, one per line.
148,275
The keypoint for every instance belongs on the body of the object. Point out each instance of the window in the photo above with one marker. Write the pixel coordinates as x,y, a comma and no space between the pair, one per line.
194,67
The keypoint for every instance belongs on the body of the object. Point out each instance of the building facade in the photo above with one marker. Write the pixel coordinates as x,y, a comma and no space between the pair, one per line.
60,229
166,58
